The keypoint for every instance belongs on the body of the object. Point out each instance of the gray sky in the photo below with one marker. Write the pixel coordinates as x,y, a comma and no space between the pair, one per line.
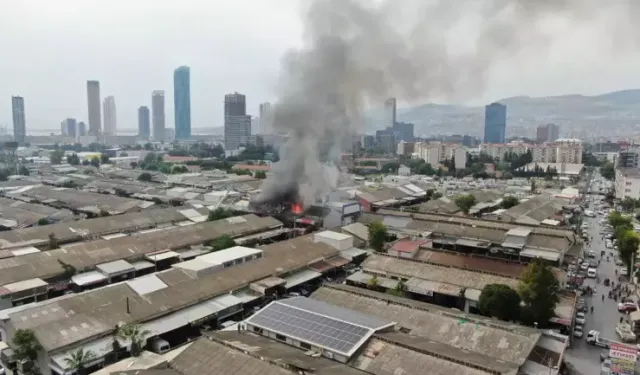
51,48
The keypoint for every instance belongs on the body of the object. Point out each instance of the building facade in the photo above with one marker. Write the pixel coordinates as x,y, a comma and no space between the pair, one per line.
69,127
237,124
389,113
386,140
93,103
495,123
110,121
19,119
82,129
628,158
547,133
265,122
436,153
144,122
568,151
182,102
403,131
158,115
627,183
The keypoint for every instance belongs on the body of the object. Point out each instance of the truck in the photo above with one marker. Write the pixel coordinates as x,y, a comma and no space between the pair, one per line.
625,332
594,338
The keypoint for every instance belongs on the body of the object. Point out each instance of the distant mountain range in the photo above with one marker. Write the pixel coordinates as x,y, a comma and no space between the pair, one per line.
614,114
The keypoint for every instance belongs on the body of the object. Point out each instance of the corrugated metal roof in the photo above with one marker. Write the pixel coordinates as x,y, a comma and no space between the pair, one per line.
301,277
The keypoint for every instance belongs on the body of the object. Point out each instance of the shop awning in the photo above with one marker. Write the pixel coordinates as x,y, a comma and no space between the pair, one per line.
88,278
301,277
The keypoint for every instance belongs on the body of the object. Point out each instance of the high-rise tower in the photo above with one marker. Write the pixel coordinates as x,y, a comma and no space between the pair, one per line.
182,102
93,103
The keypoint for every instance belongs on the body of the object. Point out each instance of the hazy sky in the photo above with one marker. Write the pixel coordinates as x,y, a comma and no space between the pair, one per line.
51,48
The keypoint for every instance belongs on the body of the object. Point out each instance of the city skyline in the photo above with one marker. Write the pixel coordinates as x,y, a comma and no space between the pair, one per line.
88,29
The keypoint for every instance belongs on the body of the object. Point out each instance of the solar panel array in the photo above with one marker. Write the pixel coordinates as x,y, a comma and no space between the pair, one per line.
311,328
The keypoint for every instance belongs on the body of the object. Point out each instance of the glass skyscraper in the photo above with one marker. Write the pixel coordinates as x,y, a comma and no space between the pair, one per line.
182,102
495,123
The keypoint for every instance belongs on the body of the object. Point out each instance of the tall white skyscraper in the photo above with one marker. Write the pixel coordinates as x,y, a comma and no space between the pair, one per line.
265,123
157,115
110,122
93,103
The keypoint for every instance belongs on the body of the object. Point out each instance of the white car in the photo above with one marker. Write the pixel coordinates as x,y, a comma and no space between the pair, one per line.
623,271
577,331
584,266
581,318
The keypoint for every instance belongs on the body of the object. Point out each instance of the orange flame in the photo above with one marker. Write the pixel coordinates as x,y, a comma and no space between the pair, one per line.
296,208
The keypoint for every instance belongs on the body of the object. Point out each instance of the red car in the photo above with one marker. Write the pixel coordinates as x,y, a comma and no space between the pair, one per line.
627,307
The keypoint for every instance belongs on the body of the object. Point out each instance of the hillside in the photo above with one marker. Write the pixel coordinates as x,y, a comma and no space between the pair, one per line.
611,114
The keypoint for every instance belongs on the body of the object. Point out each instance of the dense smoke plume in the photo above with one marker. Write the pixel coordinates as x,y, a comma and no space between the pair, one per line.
359,53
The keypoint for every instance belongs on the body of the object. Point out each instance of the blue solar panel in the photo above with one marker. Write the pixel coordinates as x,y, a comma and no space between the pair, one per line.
311,328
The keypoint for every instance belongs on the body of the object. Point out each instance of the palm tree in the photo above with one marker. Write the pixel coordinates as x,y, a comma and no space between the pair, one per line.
78,359
134,333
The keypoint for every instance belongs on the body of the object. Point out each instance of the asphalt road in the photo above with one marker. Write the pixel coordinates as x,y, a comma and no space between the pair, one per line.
584,357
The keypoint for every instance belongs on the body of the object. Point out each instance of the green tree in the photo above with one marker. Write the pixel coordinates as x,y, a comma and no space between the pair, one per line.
377,235
104,159
23,171
86,162
509,201
222,242
400,290
628,243
25,347
538,289
43,221
219,214
261,175
391,167
56,156
465,202
436,195
499,301
608,171
616,220
134,333
145,176
629,204
123,154
73,159
78,359
95,162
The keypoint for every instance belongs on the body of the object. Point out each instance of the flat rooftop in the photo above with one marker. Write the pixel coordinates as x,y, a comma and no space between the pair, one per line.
377,263
79,200
63,322
276,352
89,254
559,240
78,230
491,341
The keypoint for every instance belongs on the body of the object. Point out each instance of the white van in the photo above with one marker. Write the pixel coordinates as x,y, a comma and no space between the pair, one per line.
591,272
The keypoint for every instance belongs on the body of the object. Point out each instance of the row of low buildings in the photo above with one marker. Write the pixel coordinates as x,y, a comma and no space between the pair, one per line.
161,277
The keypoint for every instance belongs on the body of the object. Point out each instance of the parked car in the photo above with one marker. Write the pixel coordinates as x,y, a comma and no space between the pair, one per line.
581,318
578,332
627,306
623,271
